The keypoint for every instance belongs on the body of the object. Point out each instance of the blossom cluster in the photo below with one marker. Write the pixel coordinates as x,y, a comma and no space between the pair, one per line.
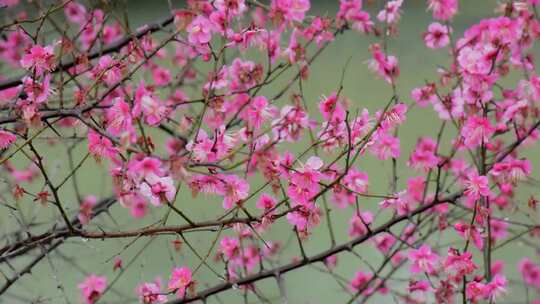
159,124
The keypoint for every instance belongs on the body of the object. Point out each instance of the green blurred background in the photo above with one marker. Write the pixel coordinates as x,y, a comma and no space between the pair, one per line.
152,257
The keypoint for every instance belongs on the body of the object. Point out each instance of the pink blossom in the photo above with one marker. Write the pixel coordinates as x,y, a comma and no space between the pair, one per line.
498,229
161,76
476,60
234,189
400,203
291,123
8,3
306,217
443,9
423,259
358,225
39,58
394,116
231,7
419,286
331,107
386,66
477,130
258,111
457,265
229,247
451,107
141,167
85,210
424,95
291,10
529,271
100,146
416,187
385,146
150,293
360,280
200,30
491,291
266,202
158,189
391,12
470,233
308,175
180,280
437,36
424,156
92,288
244,74
147,104
6,139
512,170
476,186
357,181
210,149
137,204
119,119
75,12
384,242
112,33
107,70
495,288
37,92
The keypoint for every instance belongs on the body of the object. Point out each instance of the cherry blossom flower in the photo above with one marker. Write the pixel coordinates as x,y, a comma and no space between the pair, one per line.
423,259
258,111
75,12
357,181
477,130
386,66
234,189
180,280
358,225
384,242
512,170
290,10
200,30
470,233
6,139
360,280
529,271
437,36
229,247
266,202
231,7
385,146
290,124
92,288
458,265
85,210
476,185
391,12
37,92
161,76
443,9
150,293
158,190
39,58
424,156
424,95
119,120
100,146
